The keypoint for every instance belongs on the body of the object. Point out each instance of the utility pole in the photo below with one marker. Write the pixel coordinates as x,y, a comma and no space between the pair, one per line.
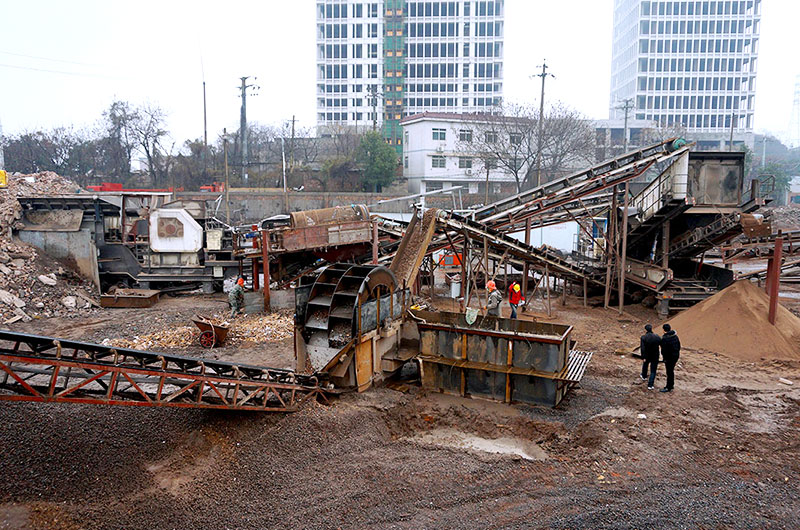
373,90
291,149
243,122
227,183
543,75
205,135
627,106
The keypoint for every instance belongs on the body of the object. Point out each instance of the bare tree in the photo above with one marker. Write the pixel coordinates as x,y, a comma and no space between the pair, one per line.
149,135
660,131
503,140
568,142
508,139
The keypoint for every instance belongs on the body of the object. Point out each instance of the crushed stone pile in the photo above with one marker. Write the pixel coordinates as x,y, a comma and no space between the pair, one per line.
256,328
33,285
735,322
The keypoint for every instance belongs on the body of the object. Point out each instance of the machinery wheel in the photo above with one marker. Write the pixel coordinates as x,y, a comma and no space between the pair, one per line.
207,339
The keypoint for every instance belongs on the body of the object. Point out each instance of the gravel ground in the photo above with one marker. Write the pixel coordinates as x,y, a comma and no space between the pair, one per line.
719,452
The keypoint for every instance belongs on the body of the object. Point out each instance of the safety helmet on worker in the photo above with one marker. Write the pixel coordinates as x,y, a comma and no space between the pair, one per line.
240,281
516,287
490,285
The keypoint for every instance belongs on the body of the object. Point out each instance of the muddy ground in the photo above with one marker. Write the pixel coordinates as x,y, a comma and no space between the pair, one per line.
719,452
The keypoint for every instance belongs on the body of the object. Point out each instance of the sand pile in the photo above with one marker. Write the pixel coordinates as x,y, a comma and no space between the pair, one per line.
735,322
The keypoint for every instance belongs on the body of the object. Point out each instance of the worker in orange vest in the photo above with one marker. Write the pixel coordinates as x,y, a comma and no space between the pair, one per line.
515,298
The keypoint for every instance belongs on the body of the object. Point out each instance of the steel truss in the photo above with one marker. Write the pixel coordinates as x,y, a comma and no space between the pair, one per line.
46,369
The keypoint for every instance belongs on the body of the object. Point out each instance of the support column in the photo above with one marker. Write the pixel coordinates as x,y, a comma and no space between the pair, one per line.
623,251
774,279
254,260
265,261
526,266
585,288
547,287
665,245
374,242
612,221
463,289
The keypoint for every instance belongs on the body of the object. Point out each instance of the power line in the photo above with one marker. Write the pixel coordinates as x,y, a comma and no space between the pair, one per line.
46,58
61,72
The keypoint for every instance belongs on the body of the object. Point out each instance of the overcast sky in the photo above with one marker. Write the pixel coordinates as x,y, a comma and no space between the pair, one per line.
63,62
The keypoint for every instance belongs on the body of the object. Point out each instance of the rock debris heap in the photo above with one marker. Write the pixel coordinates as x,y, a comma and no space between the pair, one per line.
33,285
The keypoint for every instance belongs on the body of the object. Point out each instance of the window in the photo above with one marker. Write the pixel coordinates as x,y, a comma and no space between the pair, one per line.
405,162
439,134
465,135
490,163
438,161
464,163
491,137
515,138
473,188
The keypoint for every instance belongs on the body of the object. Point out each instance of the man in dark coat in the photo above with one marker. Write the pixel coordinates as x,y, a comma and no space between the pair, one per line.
649,344
670,351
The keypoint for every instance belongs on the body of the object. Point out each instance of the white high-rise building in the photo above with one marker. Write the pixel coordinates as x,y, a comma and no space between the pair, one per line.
380,61
689,64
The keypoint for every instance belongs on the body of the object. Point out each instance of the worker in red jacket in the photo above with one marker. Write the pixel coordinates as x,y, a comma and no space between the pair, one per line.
515,298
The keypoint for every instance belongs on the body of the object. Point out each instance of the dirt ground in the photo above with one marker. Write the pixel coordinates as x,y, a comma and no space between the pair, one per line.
721,451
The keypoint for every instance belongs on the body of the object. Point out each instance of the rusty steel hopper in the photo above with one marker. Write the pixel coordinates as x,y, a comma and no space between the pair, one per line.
498,358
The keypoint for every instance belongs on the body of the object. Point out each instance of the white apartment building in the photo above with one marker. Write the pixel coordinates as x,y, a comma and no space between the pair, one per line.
437,155
444,56
689,64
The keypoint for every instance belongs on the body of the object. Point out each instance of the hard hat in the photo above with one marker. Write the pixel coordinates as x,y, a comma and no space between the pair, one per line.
516,287
491,285
240,281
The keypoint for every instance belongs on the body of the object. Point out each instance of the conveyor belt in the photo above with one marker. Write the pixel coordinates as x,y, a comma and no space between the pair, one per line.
47,369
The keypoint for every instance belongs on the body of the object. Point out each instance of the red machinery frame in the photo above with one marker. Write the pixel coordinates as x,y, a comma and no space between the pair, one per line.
45,369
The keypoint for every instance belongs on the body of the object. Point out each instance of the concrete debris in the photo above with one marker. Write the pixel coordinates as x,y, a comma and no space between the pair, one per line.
785,381
10,300
48,279
34,279
70,302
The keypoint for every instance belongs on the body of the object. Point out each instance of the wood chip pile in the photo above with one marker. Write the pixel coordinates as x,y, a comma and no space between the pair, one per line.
244,329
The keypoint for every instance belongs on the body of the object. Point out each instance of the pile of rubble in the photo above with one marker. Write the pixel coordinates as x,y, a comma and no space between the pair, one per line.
44,183
257,328
33,285
785,217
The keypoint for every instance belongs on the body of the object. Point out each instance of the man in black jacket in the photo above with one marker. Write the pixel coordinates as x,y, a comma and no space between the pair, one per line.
670,351
648,345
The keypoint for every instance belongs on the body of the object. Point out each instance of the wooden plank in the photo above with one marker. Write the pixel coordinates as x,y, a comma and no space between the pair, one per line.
576,367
